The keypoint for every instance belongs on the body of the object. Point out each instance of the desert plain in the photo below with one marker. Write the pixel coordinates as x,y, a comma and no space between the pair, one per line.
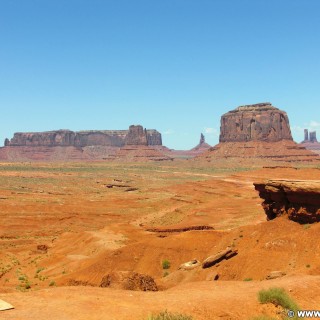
105,240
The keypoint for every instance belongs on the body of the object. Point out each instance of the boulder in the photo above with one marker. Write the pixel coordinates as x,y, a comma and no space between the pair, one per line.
5,305
190,265
214,259
275,274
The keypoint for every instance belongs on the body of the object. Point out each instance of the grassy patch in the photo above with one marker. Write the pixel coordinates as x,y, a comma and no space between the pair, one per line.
52,283
247,279
278,297
165,315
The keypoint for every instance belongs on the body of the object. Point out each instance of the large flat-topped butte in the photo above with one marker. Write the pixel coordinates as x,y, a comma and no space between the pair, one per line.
255,122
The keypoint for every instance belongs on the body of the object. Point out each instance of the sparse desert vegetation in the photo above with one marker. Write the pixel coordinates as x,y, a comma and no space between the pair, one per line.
90,230
165,315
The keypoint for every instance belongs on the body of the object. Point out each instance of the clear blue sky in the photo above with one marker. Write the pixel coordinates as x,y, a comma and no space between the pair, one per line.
172,65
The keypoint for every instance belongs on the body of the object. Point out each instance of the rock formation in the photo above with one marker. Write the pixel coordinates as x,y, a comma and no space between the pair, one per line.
202,139
112,138
129,281
310,141
136,136
257,131
310,137
257,122
313,136
300,200
201,147
66,145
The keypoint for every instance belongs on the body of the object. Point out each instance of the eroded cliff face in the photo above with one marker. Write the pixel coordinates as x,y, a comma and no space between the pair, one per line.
257,122
257,131
299,200
65,138
136,136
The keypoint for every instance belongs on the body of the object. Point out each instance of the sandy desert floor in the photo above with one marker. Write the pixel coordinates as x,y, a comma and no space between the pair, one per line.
64,227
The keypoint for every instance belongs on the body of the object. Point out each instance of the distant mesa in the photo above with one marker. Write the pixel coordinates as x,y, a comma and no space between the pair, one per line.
257,131
113,138
65,145
310,141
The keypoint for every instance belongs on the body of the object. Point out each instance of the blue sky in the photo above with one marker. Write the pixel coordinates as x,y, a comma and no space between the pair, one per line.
172,65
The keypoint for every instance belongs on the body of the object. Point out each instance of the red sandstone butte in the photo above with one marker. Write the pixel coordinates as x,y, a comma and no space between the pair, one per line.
257,131
66,145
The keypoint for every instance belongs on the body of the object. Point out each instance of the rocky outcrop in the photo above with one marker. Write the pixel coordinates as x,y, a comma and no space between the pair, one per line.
310,141
298,199
66,145
136,136
202,146
257,122
224,254
64,138
257,131
281,151
129,281
310,136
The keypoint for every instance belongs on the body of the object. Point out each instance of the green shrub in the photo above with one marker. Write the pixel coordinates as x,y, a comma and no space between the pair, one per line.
165,315
39,270
52,283
165,264
278,297
247,279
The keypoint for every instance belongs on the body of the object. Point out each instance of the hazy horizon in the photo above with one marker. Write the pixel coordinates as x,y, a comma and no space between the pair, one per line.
175,66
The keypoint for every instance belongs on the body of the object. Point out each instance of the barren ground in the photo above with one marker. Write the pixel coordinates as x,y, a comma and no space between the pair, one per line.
66,226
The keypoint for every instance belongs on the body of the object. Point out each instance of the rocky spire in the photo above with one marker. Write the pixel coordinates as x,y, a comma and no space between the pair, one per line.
202,139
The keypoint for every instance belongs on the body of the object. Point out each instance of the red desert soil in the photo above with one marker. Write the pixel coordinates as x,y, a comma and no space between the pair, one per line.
67,226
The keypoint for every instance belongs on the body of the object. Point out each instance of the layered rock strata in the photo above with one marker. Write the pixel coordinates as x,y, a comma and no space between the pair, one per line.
112,138
65,145
298,199
257,131
139,153
257,122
